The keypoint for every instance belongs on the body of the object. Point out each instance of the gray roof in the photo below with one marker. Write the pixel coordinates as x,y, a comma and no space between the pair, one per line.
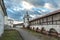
3,7
51,13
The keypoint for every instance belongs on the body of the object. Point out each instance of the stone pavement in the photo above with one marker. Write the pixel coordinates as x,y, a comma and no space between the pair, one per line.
26,35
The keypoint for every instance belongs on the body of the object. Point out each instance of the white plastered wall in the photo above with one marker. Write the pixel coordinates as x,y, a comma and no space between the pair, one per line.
47,27
1,21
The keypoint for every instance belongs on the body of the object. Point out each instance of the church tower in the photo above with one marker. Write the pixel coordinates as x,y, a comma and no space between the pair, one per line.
26,19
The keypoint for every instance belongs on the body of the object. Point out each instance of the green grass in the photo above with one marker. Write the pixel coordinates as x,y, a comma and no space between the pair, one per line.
41,36
11,35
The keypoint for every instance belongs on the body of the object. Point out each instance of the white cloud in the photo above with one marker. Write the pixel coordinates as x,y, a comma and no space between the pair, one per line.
16,22
10,18
10,10
39,11
34,16
26,5
49,6
44,10
17,8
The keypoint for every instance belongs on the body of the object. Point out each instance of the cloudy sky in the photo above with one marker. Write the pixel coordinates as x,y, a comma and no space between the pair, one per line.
16,9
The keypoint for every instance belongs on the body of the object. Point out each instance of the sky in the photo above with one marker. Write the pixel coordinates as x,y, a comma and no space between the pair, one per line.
16,9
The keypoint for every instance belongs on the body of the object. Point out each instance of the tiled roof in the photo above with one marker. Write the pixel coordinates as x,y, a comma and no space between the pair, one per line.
51,13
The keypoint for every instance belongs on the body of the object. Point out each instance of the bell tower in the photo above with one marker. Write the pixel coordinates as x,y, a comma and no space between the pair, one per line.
26,19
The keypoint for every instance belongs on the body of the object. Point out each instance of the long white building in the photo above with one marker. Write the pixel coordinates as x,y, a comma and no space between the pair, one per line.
51,20
3,16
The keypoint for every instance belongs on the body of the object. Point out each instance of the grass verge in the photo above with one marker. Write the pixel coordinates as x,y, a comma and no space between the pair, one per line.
11,35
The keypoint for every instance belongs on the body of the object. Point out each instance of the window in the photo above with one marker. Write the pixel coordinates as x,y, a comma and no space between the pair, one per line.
58,22
54,22
56,17
50,18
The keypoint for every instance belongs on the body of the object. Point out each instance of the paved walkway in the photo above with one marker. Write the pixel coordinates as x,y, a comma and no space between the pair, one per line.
26,35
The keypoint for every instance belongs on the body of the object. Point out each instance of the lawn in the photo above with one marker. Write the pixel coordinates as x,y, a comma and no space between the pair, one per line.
41,36
11,35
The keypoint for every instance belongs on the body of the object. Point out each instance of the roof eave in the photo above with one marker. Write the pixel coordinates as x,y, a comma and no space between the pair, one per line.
3,7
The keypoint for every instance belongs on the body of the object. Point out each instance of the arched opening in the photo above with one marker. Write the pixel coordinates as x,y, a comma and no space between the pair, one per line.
53,32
